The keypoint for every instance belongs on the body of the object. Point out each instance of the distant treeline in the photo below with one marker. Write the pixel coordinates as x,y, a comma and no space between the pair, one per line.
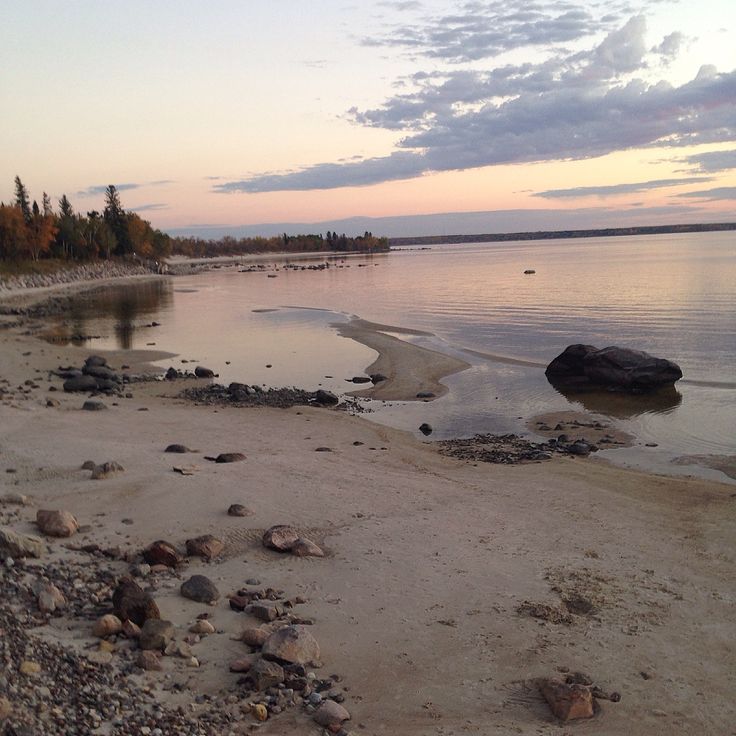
554,234
29,232
229,246
32,232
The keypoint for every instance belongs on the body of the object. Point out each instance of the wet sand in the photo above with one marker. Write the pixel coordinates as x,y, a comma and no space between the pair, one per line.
419,603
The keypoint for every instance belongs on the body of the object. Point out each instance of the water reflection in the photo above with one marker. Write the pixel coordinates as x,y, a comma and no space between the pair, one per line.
620,404
126,306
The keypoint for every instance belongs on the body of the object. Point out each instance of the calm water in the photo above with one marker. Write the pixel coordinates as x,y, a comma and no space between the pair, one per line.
671,295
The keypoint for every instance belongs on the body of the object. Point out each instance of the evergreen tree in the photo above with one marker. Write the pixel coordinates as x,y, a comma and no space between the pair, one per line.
22,200
117,221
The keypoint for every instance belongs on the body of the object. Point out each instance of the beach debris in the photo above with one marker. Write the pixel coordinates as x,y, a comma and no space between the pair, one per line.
56,523
426,429
568,702
202,372
613,367
162,552
280,537
292,645
304,547
14,545
131,603
106,469
237,509
206,546
200,588
156,634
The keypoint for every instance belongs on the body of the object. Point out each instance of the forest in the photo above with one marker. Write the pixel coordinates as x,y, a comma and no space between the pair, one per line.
30,232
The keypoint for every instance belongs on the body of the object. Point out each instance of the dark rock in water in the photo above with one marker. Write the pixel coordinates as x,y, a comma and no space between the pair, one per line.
612,367
177,448
95,360
230,457
359,379
94,405
202,372
425,428
131,603
201,589
171,374
81,383
378,377
161,552
425,395
325,398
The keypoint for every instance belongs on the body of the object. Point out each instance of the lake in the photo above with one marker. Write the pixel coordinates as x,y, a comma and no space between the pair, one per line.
671,295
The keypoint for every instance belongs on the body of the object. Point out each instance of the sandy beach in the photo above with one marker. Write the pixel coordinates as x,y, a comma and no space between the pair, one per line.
446,590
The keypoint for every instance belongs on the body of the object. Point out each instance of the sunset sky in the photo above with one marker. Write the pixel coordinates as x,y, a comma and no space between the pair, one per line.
531,115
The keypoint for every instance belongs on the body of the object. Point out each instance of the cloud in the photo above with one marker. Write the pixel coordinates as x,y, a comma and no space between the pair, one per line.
617,189
565,105
670,46
149,207
712,161
97,189
712,195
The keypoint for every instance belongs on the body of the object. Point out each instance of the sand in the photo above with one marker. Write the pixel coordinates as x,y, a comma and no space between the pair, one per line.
428,559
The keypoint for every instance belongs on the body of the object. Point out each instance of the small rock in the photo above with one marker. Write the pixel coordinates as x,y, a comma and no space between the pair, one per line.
17,545
201,589
205,546
156,634
149,660
92,405
280,537
107,626
230,457
6,709
292,644
255,637
425,395
162,552
100,657
29,668
56,523
50,599
325,398
131,630
106,469
264,610
567,702
178,649
131,602
202,627
241,665
89,465
237,509
331,713
264,674
259,712
426,429
177,448
304,547
202,372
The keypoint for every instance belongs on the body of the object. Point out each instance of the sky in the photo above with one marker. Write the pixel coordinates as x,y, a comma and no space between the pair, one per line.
414,117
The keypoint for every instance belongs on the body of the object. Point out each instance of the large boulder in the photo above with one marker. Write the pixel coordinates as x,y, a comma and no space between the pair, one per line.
612,367
17,545
55,523
81,383
293,645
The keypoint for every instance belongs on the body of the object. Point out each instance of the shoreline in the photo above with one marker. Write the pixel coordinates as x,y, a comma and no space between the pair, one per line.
429,559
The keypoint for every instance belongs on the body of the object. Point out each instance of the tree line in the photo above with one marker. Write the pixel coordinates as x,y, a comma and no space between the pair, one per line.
29,232
32,232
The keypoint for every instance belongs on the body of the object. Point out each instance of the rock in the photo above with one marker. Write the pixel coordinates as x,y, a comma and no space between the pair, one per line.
100,657
259,711
50,599
613,367
426,429
292,644
304,547
15,499
237,509
156,634
52,402
177,448
89,465
171,374
579,447
202,372
101,371
331,713
202,628
162,552
54,523
360,379
80,383
149,660
264,610
16,545
6,709
241,665
178,649
280,537
131,602
95,360
567,702
131,630
230,457
100,472
107,626
378,377
264,674
201,589
205,546
255,637
425,395
325,398
29,668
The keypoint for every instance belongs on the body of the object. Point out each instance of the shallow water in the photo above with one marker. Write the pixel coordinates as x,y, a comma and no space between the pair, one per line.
671,295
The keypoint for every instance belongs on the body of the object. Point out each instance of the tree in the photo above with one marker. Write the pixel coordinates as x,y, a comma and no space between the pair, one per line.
42,233
117,221
13,232
22,200
46,204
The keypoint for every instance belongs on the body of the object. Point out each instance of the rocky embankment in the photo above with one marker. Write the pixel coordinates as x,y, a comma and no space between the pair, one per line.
84,272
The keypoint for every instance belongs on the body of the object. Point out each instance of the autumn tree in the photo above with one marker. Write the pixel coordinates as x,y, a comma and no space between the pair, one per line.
13,233
41,232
